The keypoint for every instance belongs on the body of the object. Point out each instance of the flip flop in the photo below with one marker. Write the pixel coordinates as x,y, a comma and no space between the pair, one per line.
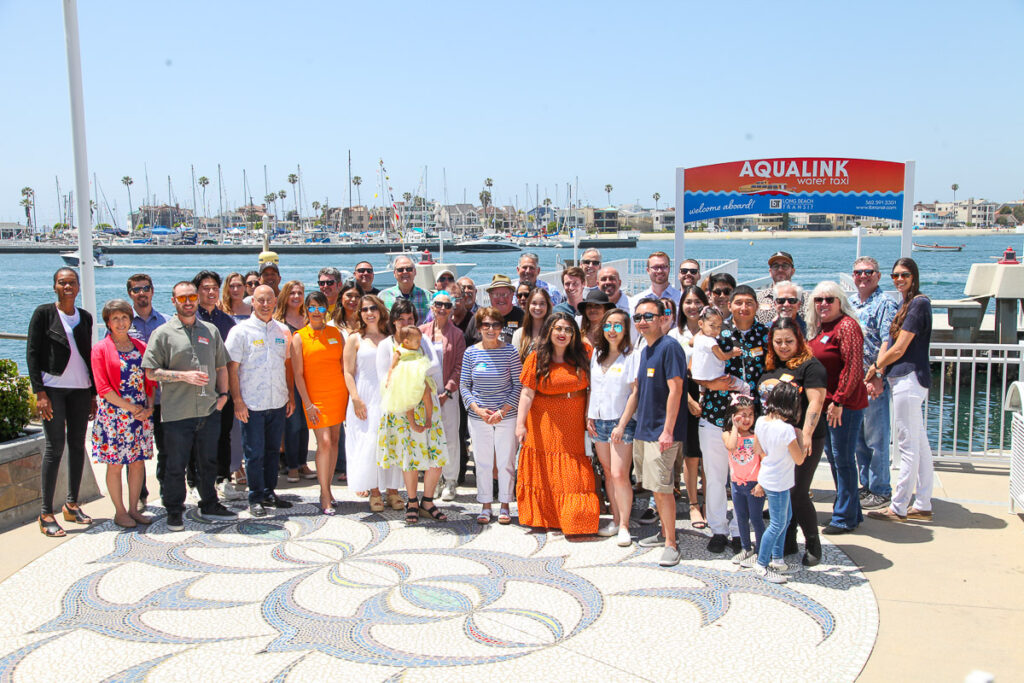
700,523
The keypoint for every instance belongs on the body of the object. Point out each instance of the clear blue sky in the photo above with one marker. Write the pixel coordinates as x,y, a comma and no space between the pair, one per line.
534,93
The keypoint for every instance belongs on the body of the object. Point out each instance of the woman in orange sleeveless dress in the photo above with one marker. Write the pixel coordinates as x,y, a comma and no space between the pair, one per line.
556,487
316,354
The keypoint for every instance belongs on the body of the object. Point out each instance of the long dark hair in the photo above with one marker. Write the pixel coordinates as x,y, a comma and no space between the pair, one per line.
575,353
383,318
339,308
526,339
603,348
687,291
401,307
802,354
912,292
783,400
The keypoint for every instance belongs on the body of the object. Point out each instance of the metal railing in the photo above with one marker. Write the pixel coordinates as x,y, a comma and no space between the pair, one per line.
964,416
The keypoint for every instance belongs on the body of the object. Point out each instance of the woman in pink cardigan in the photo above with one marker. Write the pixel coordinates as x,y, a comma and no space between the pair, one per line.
122,433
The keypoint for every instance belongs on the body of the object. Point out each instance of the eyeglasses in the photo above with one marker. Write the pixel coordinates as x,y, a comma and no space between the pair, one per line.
317,309
787,300
404,269
490,326
190,298
865,271
613,327
590,262
252,283
561,330
825,299
780,266
446,305
369,309
657,267
141,288
721,292
901,276
522,295
326,283
364,270
689,271
646,317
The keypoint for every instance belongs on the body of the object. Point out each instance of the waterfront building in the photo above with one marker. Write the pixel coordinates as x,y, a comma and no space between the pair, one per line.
663,220
600,220
459,218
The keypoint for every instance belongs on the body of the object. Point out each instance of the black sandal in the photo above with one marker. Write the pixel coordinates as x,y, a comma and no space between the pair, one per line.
50,528
76,515
432,511
412,511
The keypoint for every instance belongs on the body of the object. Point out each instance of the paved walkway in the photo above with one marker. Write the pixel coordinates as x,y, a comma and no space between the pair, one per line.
306,597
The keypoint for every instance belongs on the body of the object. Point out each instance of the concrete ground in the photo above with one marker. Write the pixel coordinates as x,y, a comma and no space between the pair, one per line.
948,592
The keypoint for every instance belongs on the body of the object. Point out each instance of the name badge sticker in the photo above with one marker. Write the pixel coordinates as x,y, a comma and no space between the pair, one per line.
332,340
279,340
257,342
786,377
482,367
650,372
512,324
202,340
824,340
756,351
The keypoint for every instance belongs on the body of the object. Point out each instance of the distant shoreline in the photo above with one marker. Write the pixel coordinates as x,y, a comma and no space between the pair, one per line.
796,234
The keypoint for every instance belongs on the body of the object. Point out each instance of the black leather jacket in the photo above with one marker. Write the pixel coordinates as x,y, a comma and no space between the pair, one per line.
49,349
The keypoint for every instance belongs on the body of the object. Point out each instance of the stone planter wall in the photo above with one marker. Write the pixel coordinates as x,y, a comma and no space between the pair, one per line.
20,467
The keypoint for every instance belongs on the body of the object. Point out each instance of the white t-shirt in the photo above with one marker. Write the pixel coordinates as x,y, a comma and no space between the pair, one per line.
777,467
610,390
706,365
684,340
76,374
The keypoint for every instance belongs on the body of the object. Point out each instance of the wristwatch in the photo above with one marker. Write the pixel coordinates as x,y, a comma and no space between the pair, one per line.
223,393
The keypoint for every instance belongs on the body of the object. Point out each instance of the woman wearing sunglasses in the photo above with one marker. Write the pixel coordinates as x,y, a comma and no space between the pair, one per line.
291,311
316,353
612,372
835,338
904,361
449,346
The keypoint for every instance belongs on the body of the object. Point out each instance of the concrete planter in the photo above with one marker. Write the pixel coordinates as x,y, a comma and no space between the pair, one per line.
20,469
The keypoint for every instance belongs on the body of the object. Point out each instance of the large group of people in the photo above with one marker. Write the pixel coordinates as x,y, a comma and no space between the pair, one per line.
571,401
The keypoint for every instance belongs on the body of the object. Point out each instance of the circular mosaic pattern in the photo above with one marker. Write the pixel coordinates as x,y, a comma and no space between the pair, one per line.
307,597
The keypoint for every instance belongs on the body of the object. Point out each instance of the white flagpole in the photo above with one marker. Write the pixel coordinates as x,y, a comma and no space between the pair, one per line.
85,263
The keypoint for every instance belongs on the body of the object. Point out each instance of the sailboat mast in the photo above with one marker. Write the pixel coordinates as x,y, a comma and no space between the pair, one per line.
220,197
194,212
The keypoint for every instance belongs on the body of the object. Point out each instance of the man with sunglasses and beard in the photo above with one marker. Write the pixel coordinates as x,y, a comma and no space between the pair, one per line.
364,278
187,356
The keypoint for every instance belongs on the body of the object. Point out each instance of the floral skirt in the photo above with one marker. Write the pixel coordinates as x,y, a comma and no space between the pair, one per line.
399,446
118,438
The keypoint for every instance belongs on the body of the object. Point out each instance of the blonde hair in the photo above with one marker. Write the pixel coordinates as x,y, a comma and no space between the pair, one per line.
281,310
225,293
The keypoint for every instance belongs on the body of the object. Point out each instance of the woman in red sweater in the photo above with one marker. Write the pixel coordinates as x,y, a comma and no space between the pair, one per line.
837,341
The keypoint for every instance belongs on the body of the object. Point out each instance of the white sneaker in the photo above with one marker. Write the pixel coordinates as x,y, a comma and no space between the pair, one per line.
749,562
769,574
624,539
609,529
229,491
448,494
743,555
439,489
779,565
193,496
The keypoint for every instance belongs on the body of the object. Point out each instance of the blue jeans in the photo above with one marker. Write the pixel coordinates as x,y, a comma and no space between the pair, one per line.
296,436
182,437
261,440
774,538
747,508
840,448
873,445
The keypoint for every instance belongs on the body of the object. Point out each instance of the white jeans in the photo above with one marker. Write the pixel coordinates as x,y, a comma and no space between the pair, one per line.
716,477
492,442
908,397
450,420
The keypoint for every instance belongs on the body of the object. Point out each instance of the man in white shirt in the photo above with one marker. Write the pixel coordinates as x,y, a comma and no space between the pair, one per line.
658,266
260,377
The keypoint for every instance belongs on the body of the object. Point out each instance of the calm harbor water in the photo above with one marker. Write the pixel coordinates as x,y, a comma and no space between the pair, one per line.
28,277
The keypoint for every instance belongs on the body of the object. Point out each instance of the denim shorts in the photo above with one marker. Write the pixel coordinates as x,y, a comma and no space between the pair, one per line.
605,427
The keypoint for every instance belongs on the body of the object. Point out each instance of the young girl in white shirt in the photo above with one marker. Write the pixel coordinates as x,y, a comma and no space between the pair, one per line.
709,358
776,443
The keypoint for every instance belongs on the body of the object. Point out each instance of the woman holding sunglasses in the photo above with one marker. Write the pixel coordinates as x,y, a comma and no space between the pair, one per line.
612,372
836,339
449,347
904,361
316,353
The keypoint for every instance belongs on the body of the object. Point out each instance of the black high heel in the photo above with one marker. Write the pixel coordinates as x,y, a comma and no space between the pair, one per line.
50,528
433,511
76,515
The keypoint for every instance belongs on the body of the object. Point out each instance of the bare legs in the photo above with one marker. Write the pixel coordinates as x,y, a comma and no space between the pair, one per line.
126,517
326,459
615,461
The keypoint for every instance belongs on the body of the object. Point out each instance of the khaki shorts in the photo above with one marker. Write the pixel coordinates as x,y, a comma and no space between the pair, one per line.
654,467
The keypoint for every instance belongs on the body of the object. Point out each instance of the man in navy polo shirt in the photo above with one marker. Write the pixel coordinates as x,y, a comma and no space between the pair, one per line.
658,392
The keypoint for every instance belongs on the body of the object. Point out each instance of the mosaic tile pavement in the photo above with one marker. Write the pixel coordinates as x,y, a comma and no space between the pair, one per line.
361,596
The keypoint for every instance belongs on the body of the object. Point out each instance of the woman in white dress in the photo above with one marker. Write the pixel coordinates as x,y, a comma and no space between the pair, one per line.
364,405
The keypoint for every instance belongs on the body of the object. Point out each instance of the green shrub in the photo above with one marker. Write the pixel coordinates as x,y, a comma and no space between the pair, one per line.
15,397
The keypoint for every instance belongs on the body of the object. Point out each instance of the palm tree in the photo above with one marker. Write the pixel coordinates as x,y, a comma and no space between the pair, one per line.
203,182
608,190
357,181
292,178
954,187
270,199
316,208
656,196
485,201
127,182
28,200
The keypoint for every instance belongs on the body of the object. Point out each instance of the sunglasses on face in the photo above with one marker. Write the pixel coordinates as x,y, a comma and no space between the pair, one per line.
364,270
522,295
190,298
865,271
317,309
689,271
445,305
368,309
646,317
446,278
141,288
901,276
326,283
252,283
404,269
780,266
590,262
561,330
786,299
490,326
825,299
721,292
613,327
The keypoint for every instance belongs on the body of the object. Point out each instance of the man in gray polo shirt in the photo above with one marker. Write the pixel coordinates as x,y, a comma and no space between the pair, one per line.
188,358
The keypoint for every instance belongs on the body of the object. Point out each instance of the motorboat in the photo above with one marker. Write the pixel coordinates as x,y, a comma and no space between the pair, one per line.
487,244
937,247
99,259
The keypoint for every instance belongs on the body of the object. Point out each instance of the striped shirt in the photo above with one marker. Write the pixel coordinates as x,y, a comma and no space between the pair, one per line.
490,378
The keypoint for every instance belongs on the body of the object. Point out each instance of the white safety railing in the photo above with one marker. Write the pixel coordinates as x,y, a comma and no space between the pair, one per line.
965,419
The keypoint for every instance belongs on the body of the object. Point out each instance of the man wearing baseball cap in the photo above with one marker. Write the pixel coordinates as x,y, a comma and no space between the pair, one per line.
780,267
502,294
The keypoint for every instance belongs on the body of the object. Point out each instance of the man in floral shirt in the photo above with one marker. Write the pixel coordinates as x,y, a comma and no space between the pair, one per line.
751,336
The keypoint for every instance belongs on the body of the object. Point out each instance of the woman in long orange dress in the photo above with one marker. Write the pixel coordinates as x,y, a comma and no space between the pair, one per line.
316,354
556,486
